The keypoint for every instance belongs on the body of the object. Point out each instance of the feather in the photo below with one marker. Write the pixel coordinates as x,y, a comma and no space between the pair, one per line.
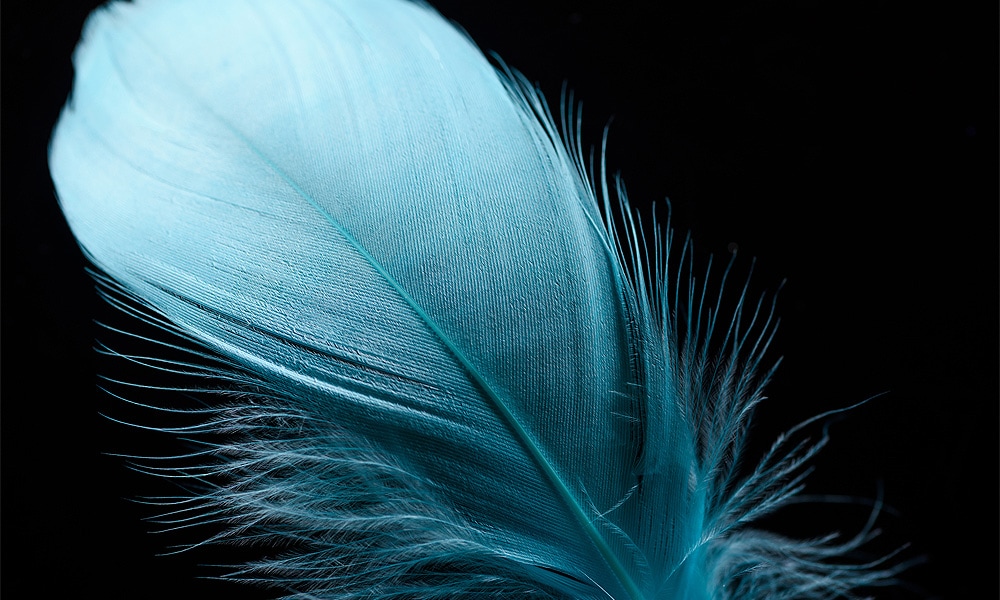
456,379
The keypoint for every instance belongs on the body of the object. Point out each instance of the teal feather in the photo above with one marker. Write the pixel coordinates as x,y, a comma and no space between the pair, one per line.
465,381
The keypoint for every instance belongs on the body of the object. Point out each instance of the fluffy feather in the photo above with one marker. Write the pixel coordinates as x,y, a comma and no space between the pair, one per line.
464,382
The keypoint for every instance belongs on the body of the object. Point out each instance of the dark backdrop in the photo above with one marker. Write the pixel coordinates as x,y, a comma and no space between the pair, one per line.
850,147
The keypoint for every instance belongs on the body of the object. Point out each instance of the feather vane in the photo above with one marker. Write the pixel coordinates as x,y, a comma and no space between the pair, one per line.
469,384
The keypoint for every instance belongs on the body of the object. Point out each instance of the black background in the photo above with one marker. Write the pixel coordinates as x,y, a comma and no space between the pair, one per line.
850,146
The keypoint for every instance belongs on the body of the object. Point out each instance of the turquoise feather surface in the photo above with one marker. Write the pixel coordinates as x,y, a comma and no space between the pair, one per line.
470,384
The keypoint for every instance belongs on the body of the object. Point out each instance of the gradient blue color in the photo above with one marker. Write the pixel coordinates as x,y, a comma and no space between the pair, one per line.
474,386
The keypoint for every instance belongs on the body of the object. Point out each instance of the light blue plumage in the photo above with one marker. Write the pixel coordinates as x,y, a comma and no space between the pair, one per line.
464,387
